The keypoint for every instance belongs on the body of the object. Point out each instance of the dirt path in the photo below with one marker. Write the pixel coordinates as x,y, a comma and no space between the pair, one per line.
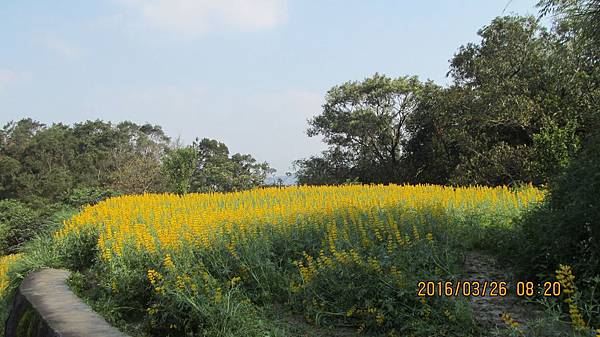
487,310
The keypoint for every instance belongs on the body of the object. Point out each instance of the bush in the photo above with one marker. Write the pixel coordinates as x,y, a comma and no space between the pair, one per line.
78,251
87,196
566,228
18,223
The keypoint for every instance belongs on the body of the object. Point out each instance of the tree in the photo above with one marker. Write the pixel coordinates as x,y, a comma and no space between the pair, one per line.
15,137
565,229
522,100
18,223
247,172
516,94
138,159
367,121
9,174
333,167
431,154
577,22
581,16
41,164
179,165
216,171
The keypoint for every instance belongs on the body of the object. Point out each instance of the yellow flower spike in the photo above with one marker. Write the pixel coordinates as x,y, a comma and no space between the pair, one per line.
218,295
380,319
5,263
508,320
564,275
235,280
429,237
168,262
353,220
416,234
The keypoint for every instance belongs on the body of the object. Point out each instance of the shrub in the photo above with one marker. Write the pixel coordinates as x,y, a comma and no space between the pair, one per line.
18,223
566,228
87,196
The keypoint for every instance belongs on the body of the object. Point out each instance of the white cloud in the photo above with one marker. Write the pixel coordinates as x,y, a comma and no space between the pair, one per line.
192,18
62,47
9,78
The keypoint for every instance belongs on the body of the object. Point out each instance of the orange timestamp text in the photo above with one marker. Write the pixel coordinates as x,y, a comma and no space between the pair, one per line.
478,288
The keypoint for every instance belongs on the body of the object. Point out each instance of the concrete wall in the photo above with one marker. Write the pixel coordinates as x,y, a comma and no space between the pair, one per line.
44,306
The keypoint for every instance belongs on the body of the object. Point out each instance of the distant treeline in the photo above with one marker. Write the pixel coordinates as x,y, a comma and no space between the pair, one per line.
40,163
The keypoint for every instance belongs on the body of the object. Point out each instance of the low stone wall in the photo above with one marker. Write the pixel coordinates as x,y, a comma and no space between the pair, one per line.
44,306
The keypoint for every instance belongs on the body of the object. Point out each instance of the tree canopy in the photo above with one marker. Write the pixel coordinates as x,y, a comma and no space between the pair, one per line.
520,102
42,164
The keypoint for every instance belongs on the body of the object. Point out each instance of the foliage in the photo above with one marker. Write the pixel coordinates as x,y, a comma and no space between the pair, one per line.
43,163
53,169
508,87
367,121
216,171
179,165
333,167
566,228
582,15
522,108
558,239
520,102
18,224
87,196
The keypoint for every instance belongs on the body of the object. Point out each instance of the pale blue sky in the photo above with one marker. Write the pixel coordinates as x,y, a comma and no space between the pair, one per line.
246,72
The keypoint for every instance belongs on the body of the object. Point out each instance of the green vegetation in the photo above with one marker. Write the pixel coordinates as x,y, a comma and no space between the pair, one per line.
521,101
303,253
522,109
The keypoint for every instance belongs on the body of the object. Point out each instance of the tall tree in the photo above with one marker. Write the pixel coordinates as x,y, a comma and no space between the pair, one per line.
517,104
582,16
566,228
332,167
367,120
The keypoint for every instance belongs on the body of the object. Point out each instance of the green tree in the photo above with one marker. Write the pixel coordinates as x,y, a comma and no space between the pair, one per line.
565,229
41,164
15,137
332,167
582,17
516,94
216,171
367,121
430,154
179,165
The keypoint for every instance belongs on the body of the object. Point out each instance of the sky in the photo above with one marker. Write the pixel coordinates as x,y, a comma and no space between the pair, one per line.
249,73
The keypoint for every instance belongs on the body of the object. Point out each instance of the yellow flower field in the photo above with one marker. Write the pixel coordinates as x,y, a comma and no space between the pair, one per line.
152,222
346,255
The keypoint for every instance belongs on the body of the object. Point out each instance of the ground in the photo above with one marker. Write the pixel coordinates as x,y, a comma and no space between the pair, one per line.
487,310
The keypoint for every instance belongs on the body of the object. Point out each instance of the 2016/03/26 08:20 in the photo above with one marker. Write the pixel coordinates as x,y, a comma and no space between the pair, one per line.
477,288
